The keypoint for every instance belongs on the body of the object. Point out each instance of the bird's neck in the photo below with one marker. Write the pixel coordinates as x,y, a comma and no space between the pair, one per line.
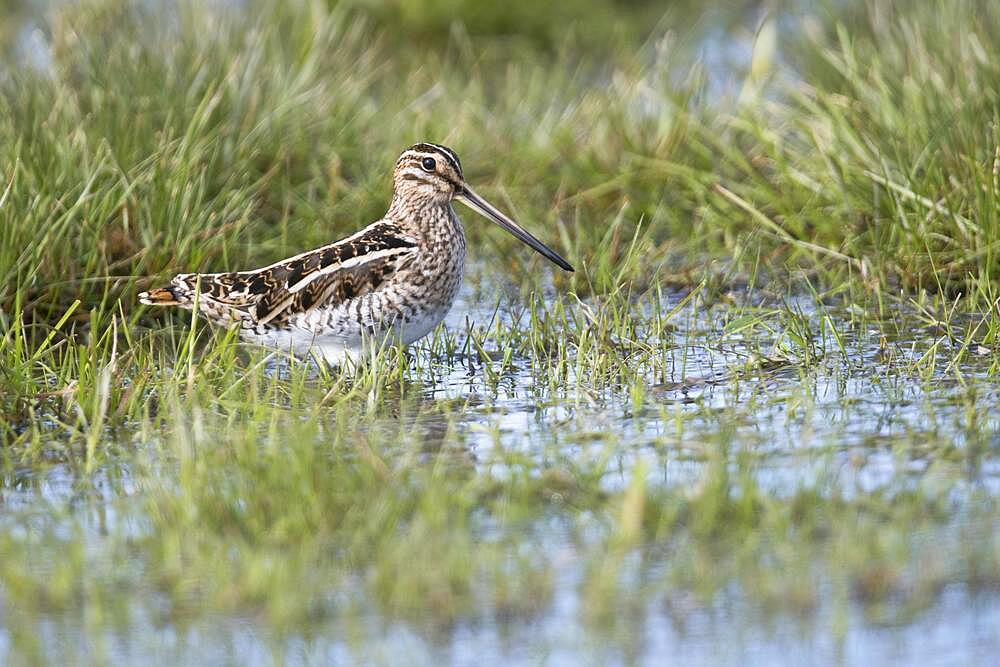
425,217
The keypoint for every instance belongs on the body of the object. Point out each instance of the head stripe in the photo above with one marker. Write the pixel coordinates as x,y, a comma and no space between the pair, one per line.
415,176
436,149
414,172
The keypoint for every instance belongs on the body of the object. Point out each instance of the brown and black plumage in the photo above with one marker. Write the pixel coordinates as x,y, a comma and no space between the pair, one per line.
393,280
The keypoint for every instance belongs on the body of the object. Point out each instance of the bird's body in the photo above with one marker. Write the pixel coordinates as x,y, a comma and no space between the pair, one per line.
393,281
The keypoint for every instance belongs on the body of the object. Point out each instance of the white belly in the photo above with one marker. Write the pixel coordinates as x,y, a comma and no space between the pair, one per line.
421,324
318,336
334,350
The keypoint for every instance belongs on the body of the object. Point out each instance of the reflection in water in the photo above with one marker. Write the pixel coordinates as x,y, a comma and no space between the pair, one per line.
801,415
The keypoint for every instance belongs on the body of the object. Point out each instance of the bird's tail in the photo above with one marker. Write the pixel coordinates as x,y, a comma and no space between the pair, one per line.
161,296
177,294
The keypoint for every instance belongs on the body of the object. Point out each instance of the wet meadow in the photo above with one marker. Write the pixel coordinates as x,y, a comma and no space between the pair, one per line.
758,424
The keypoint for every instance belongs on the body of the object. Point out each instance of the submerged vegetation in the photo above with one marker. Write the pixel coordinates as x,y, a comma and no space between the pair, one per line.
768,392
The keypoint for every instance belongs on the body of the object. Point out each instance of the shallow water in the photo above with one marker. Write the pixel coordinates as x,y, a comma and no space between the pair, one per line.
851,402
853,420
959,630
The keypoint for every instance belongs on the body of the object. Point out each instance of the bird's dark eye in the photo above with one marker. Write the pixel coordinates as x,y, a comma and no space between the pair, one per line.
428,164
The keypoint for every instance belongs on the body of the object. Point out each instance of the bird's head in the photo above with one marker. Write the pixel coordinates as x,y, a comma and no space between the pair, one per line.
432,173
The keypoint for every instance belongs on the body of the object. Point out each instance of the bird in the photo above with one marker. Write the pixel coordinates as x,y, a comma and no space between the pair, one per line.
390,283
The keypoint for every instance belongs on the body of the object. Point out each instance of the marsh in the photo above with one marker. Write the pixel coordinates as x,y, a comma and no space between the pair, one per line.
757,424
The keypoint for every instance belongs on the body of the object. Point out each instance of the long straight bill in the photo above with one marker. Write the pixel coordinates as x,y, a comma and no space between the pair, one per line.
487,210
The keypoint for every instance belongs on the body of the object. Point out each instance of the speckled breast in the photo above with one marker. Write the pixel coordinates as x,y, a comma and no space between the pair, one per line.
425,292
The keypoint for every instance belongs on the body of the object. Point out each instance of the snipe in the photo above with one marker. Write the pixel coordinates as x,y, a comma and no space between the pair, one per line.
395,280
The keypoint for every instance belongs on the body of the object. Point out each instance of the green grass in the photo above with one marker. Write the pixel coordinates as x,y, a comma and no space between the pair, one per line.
772,378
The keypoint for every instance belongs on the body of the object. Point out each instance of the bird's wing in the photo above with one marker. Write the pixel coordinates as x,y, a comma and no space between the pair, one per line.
328,275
